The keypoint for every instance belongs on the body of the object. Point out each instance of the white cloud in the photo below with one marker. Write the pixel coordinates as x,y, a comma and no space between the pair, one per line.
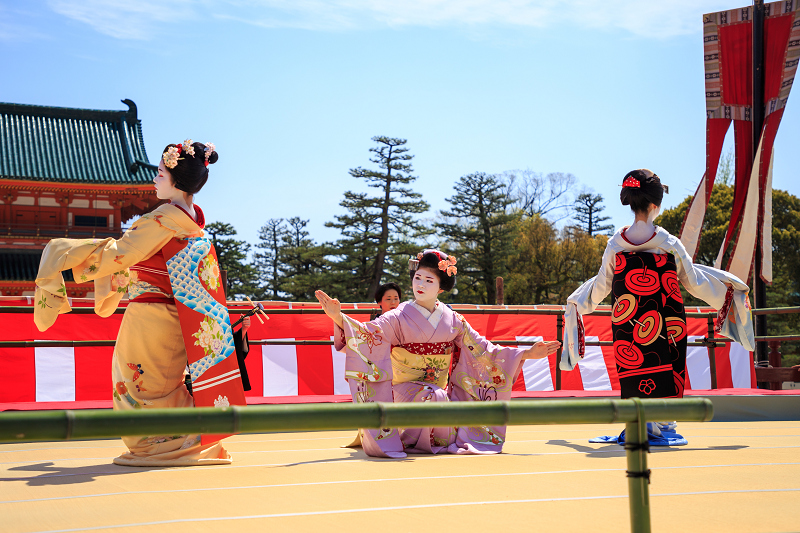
141,19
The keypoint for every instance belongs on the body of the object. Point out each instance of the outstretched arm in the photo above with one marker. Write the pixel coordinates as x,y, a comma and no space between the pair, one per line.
541,349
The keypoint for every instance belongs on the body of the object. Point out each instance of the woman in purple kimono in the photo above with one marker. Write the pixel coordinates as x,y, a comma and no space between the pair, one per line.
423,351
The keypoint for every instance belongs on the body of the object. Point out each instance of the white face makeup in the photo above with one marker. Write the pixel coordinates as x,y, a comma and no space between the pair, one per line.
389,301
165,190
425,285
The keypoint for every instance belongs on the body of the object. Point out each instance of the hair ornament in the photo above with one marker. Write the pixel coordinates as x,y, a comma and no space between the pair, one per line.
188,147
208,150
630,181
448,265
172,156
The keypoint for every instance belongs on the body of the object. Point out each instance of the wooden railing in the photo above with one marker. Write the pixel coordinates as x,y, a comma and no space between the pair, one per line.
50,231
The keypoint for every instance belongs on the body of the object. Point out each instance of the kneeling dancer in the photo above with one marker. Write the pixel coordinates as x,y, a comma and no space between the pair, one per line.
424,351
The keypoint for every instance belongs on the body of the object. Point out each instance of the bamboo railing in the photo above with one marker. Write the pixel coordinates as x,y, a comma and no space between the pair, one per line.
103,423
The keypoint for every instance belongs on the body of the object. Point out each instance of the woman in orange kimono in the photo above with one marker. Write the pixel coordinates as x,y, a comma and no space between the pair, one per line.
150,356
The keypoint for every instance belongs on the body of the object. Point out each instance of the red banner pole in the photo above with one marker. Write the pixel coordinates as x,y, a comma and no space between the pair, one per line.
762,357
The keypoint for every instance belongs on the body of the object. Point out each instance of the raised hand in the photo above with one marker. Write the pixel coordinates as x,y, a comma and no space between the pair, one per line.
542,349
331,306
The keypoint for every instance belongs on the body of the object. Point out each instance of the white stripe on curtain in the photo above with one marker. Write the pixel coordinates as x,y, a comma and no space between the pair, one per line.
594,372
697,365
280,369
55,374
536,372
340,385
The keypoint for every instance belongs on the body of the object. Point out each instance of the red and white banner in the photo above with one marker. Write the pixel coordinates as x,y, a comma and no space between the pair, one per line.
83,374
728,56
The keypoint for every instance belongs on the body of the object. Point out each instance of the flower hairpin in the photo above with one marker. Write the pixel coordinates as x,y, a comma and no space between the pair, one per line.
208,150
448,266
172,156
173,153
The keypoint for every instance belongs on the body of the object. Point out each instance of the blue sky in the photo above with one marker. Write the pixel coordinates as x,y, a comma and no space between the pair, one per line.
292,91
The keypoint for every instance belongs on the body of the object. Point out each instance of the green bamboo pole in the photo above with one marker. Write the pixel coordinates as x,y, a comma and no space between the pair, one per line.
636,448
26,426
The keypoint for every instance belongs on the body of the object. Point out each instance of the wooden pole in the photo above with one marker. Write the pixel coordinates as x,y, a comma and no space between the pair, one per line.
760,287
498,283
712,355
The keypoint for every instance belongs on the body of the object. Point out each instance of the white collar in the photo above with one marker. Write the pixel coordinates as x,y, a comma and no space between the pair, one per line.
432,318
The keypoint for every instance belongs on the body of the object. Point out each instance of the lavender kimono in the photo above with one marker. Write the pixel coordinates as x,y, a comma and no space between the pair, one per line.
412,355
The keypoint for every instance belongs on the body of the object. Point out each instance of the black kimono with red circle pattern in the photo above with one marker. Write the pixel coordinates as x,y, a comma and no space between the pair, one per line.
648,323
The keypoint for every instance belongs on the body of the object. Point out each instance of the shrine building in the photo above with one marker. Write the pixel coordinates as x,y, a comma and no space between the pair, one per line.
65,172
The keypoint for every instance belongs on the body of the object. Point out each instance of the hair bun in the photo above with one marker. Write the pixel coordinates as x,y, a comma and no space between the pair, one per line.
213,157
640,188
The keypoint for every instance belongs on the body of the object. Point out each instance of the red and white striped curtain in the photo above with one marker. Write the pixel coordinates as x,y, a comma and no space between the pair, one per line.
728,37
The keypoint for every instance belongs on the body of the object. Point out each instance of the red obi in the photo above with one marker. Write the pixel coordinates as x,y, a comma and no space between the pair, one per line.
150,281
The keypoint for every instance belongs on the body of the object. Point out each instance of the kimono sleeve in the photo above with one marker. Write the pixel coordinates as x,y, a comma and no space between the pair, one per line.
338,338
368,370
583,301
368,349
722,291
104,261
485,371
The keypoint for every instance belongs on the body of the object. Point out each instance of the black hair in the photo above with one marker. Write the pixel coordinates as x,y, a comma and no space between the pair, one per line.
386,287
431,260
649,191
191,172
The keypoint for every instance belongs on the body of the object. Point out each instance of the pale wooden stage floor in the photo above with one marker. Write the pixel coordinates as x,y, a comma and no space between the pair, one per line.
733,476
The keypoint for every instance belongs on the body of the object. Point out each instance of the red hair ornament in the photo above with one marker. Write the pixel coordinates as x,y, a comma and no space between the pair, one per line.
630,181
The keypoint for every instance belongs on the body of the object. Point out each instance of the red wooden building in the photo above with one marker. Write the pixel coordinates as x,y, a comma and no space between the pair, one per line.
66,172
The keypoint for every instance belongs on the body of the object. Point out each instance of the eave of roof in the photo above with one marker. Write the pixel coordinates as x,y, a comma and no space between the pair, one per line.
138,188
67,145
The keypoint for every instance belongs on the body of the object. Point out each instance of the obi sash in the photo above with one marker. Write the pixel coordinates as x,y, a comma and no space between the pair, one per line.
149,281
199,296
648,322
428,362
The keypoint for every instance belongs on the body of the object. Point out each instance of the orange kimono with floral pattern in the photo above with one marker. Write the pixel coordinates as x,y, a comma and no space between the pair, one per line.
149,363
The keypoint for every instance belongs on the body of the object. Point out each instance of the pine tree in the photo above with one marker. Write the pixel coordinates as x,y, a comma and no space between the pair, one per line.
303,263
587,214
378,230
480,234
268,259
232,255
356,250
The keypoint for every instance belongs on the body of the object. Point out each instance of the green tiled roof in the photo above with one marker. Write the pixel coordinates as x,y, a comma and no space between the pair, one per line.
22,265
70,145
